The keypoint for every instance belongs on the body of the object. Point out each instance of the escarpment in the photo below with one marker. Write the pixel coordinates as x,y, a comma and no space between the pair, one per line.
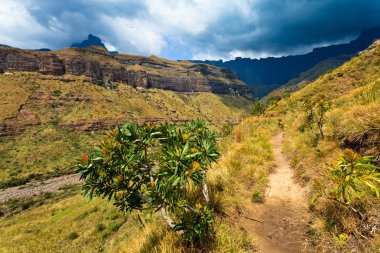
104,68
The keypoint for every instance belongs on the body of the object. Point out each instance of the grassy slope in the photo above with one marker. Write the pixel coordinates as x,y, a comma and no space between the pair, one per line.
242,171
309,76
353,122
56,102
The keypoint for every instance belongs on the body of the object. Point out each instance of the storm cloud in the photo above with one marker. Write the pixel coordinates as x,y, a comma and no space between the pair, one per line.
188,29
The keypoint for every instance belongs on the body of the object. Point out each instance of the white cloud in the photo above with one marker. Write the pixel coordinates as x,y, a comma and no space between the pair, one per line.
232,55
135,35
16,19
110,46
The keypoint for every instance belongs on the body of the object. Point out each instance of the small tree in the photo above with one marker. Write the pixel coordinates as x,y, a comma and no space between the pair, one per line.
258,107
159,168
280,124
226,129
315,110
346,177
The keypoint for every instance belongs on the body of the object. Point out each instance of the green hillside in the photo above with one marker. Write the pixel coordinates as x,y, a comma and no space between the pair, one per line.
309,76
46,122
353,122
238,182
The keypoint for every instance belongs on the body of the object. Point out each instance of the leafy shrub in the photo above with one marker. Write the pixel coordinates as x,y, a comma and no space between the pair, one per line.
156,167
257,196
13,182
273,101
227,129
280,124
349,175
114,226
315,110
26,204
100,227
73,235
258,108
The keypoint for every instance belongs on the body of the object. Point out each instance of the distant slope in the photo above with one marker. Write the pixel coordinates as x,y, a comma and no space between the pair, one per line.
308,76
47,121
52,104
267,74
104,68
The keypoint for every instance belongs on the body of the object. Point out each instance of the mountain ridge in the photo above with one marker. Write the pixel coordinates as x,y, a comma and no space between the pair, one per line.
104,68
266,74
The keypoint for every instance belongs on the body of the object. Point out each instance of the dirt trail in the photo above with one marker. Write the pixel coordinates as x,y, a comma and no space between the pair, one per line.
283,214
35,188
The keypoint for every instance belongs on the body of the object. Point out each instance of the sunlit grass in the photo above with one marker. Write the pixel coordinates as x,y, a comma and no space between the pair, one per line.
57,104
72,224
352,123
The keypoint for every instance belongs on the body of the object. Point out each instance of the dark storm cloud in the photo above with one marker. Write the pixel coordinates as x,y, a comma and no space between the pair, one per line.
286,27
77,18
189,28
290,24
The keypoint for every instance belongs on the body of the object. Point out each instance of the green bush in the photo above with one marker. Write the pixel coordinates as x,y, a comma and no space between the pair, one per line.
258,108
227,129
346,177
73,235
257,196
156,167
114,226
315,110
100,227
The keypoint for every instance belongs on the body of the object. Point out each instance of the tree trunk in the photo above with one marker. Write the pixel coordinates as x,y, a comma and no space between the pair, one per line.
320,126
167,218
205,192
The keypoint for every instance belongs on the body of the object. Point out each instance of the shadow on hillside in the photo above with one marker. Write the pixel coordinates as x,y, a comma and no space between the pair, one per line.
237,102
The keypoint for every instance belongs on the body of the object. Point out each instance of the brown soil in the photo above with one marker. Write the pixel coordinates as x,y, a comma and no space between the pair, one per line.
279,224
32,189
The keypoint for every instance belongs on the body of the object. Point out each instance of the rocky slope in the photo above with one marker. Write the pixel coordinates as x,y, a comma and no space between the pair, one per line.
104,68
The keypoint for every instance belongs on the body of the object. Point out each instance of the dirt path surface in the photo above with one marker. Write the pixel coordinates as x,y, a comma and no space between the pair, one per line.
283,215
35,188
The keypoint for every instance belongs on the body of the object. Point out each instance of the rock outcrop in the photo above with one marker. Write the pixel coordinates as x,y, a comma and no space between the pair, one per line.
104,68
91,41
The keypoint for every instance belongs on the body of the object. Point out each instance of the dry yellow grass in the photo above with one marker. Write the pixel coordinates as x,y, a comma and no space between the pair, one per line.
353,122
55,102
243,169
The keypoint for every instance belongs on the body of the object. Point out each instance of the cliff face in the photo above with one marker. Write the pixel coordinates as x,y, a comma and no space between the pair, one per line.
104,69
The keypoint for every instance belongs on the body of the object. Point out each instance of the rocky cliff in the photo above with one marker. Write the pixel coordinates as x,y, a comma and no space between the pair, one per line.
106,69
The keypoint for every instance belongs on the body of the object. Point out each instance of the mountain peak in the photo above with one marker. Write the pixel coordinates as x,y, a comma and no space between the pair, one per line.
92,40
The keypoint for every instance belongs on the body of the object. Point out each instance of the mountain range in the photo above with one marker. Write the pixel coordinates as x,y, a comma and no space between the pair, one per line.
267,74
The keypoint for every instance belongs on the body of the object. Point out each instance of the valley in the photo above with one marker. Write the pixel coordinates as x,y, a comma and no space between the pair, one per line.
299,175
265,75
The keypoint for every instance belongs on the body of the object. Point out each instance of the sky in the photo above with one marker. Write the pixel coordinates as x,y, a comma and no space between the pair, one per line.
188,29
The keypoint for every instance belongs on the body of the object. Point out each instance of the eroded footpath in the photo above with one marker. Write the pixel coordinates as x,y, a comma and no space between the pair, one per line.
280,221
